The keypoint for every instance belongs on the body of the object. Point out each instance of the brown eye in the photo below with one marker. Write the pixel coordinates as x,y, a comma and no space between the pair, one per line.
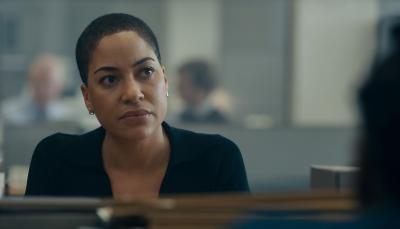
147,72
108,80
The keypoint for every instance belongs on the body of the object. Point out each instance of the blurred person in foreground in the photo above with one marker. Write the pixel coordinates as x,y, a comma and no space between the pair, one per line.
198,88
40,99
379,182
378,188
134,153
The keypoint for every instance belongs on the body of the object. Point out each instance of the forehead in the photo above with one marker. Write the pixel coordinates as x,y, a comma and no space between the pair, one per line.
127,45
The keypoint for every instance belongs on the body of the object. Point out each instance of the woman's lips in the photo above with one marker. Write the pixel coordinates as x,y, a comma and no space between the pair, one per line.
135,114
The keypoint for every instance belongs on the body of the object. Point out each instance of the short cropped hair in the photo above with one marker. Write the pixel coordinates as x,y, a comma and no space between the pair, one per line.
107,25
200,74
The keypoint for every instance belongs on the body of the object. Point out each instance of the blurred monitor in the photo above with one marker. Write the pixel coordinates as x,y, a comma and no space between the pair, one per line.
19,144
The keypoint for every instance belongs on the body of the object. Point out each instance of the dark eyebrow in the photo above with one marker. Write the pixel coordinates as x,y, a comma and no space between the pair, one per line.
111,69
141,61
106,68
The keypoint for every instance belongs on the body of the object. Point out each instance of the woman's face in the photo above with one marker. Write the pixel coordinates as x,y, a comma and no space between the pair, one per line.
126,86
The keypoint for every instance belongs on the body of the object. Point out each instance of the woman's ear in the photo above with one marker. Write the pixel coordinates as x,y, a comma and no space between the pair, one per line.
86,98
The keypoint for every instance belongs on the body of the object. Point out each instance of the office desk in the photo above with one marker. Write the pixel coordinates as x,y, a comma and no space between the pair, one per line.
192,211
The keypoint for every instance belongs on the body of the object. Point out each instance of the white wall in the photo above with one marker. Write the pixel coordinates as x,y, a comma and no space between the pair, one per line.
193,29
333,45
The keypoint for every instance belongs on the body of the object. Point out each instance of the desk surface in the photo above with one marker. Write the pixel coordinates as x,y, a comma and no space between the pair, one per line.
194,211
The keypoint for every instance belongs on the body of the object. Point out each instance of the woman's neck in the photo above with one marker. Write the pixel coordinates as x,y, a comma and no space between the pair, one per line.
138,155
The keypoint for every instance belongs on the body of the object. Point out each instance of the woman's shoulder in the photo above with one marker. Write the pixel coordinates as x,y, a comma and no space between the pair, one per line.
60,142
213,157
56,140
58,137
186,140
194,136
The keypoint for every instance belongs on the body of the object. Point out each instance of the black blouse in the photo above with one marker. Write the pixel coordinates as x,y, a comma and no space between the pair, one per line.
72,165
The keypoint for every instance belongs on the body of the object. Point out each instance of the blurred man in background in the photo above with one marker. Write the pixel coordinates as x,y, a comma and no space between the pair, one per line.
39,101
198,88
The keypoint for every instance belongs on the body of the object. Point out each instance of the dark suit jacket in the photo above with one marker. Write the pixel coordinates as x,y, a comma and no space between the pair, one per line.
72,165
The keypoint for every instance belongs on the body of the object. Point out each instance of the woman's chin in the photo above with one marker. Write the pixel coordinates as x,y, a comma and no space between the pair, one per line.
137,132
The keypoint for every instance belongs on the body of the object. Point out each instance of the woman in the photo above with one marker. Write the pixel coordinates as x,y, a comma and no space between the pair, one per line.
134,152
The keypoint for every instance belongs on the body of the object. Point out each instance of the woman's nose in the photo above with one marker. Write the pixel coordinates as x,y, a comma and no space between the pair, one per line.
132,92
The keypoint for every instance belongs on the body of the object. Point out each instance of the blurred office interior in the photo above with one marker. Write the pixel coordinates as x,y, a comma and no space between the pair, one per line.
291,69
